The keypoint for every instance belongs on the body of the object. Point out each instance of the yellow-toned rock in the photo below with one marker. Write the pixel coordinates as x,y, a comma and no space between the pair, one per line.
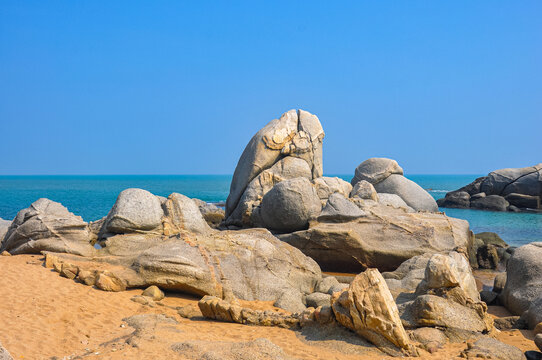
153,292
109,282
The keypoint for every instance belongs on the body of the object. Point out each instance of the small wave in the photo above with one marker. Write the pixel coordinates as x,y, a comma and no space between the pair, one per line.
438,191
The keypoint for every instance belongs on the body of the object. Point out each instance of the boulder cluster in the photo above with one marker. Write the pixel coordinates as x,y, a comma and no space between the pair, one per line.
283,224
514,189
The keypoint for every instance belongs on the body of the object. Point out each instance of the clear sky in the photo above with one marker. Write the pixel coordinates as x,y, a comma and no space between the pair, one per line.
179,87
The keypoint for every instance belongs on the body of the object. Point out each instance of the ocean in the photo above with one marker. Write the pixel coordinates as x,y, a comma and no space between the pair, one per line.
92,197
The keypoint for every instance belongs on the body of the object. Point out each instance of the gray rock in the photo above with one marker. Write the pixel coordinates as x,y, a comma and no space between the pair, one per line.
326,284
525,180
523,201
296,133
289,205
364,190
339,209
490,202
415,197
474,187
337,288
533,316
430,338
491,238
290,301
284,169
524,278
488,297
478,196
490,348
325,186
4,226
538,341
456,199
383,239
318,299
135,210
407,277
394,201
375,170
47,226
4,354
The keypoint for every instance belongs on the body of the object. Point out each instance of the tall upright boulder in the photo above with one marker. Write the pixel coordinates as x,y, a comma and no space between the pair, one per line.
297,134
47,226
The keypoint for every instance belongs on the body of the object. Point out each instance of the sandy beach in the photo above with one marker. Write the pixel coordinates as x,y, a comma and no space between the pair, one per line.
45,316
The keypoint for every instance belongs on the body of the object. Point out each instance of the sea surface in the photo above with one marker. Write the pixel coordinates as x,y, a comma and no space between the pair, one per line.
92,197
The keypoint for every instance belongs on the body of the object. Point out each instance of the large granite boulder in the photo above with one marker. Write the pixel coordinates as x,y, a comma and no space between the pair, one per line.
524,278
510,189
413,194
393,200
364,190
47,226
375,170
383,239
289,205
456,199
182,213
367,307
4,226
533,315
527,180
135,210
325,186
297,134
491,348
284,169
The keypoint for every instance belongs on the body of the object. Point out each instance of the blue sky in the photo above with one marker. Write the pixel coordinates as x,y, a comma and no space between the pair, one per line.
171,87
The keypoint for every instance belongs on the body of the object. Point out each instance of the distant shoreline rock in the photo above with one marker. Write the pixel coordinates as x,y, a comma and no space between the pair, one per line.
512,189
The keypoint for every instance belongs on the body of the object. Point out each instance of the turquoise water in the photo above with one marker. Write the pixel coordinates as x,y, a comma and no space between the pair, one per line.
92,196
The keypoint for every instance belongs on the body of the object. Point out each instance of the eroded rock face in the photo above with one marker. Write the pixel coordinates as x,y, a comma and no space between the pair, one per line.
47,225
325,186
364,190
289,205
135,210
524,278
212,214
367,307
375,170
383,239
297,134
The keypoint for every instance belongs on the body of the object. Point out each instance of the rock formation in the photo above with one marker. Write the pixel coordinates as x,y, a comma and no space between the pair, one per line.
512,189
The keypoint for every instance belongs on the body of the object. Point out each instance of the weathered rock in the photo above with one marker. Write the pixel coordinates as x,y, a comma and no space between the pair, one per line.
339,209
212,214
538,341
284,169
364,190
325,186
47,226
5,253
407,277
183,214
474,187
87,277
375,170
109,282
317,299
412,193
296,133
367,307
538,329
449,271
154,293
525,180
4,226
490,202
524,278
290,301
491,238
393,200
478,196
69,271
431,310
509,323
490,348
289,205
340,287
533,315
4,354
455,199
326,284
383,239
488,297
135,210
487,257
523,201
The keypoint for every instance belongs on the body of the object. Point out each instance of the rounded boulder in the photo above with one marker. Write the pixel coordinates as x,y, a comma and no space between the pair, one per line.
289,205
